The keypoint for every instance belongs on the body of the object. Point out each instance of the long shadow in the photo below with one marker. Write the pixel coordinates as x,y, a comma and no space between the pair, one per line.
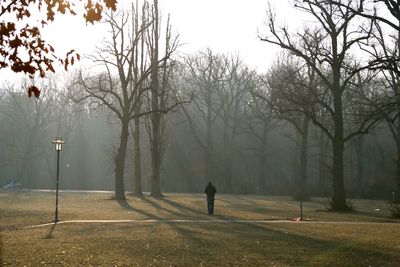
195,211
250,225
177,227
185,211
317,248
50,233
253,200
267,234
197,195
124,203
239,201
277,235
159,207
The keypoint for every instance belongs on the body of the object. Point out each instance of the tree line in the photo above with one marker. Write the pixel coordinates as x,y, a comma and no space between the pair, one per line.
321,121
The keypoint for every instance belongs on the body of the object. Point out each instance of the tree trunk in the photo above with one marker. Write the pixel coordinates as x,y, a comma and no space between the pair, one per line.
208,160
227,157
358,145
25,169
322,163
137,170
228,175
296,164
302,194
262,175
207,164
397,93
120,162
397,193
155,154
29,157
155,168
339,193
380,165
155,117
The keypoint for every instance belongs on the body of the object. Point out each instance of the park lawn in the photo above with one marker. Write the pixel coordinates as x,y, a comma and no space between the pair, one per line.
313,243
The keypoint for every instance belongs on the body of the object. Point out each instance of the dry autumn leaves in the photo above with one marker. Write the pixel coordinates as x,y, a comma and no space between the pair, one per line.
22,47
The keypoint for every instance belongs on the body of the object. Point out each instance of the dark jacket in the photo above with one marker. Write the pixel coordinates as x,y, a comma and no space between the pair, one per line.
210,190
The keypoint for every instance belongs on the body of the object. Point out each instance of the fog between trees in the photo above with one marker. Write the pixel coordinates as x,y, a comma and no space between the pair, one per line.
155,121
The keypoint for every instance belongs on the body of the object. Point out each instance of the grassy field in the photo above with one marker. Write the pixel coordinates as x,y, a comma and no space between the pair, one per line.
366,237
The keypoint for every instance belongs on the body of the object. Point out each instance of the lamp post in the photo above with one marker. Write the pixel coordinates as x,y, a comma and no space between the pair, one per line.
58,142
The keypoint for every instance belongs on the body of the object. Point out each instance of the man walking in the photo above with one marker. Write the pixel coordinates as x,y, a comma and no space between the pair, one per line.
210,191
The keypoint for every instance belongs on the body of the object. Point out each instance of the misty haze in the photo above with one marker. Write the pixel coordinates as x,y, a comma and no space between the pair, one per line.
200,133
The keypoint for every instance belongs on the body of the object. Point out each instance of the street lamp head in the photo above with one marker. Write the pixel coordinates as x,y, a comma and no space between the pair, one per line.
58,142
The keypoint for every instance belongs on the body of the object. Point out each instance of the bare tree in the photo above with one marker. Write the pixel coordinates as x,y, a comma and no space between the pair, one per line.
288,86
385,56
231,97
138,70
258,121
122,54
160,93
206,73
376,10
327,50
384,50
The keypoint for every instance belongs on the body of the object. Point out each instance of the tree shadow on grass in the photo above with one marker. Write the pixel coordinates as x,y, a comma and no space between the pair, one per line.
272,245
124,204
178,228
312,250
182,211
196,211
320,251
173,208
217,216
277,245
179,210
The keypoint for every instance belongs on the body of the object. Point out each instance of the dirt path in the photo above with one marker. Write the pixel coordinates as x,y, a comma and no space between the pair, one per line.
207,221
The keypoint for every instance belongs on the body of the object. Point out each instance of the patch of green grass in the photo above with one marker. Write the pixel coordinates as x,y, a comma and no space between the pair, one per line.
193,244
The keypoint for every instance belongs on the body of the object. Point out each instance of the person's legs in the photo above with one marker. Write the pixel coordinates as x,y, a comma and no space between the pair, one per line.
209,205
212,205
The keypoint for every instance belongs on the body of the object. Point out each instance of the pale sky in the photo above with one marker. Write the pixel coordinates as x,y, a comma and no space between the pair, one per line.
222,25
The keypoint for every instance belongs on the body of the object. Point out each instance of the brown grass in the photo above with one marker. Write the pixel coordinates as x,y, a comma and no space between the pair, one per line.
193,244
